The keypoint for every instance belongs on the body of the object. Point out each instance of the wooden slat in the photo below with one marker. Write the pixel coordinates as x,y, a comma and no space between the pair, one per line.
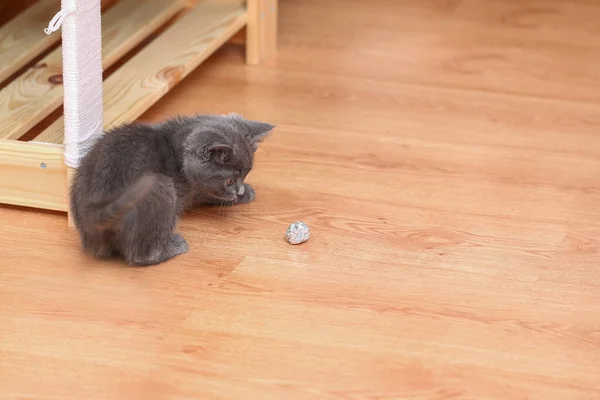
149,75
33,175
35,94
23,38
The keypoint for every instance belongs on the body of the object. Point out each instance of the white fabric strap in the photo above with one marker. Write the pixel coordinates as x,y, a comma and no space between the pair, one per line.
55,23
82,75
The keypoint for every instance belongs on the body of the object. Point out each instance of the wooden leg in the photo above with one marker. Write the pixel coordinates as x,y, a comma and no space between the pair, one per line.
261,31
70,176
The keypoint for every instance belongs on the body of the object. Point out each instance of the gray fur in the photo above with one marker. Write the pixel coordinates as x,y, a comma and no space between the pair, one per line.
133,185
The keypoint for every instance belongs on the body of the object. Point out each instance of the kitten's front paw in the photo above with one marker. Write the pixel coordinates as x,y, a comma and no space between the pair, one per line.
179,244
248,195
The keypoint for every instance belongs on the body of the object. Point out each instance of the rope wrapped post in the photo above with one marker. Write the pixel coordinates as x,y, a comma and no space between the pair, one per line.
82,79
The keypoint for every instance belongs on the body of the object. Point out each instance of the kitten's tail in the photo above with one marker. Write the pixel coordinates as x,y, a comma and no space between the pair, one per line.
110,213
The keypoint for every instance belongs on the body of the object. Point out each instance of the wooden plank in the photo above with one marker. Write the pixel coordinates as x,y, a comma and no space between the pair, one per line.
162,64
261,38
33,175
23,38
35,94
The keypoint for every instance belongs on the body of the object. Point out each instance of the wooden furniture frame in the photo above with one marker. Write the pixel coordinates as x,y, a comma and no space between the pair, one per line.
33,173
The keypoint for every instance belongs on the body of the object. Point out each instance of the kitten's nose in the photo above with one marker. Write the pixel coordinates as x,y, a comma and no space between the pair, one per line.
241,190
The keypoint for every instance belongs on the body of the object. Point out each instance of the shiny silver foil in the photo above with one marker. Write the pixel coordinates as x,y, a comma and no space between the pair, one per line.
297,233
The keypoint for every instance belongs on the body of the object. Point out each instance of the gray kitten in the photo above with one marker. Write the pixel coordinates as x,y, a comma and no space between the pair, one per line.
137,179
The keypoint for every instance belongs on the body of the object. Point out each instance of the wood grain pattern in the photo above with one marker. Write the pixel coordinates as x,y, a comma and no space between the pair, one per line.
23,38
32,175
446,160
34,95
161,65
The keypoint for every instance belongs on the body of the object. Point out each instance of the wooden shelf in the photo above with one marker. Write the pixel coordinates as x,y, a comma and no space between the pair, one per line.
31,97
33,173
149,75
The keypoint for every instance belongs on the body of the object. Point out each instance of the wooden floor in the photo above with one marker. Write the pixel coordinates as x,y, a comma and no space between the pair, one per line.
446,154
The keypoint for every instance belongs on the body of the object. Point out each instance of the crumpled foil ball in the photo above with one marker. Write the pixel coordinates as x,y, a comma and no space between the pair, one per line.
297,233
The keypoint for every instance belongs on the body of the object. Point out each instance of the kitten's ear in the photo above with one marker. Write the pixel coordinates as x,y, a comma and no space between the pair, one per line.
258,130
221,153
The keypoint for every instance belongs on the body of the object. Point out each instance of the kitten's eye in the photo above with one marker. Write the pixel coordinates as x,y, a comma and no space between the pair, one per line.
230,181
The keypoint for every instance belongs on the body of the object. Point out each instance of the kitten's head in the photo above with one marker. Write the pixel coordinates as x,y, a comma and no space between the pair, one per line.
219,154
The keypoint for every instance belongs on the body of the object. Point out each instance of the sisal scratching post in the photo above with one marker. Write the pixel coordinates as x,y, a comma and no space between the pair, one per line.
82,78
